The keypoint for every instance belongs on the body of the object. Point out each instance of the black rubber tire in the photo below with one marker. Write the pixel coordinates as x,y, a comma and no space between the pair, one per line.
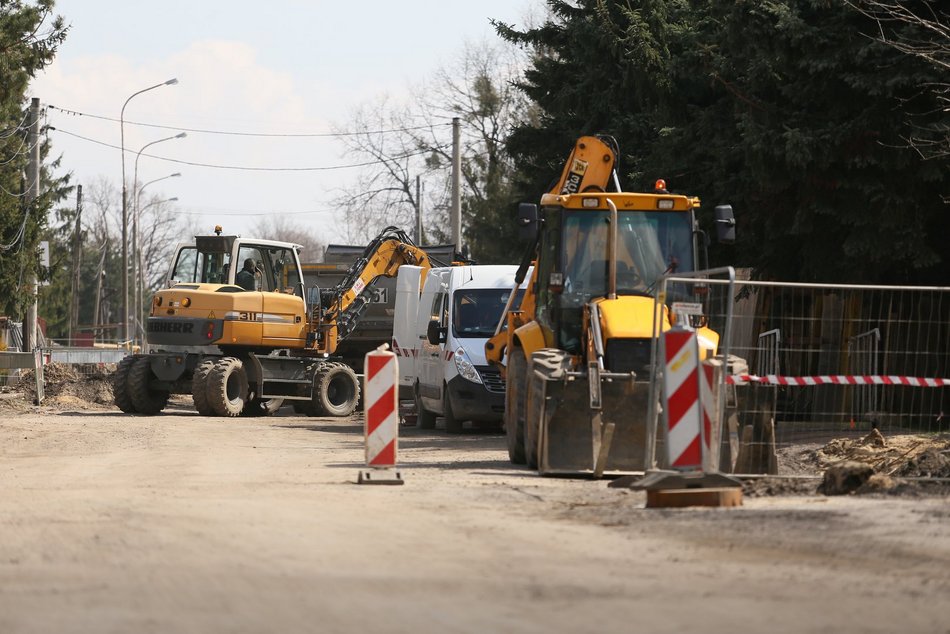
199,387
532,417
514,404
452,424
145,399
120,385
227,387
424,418
262,407
336,390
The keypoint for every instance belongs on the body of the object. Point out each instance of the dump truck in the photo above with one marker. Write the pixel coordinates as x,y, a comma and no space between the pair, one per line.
245,350
576,351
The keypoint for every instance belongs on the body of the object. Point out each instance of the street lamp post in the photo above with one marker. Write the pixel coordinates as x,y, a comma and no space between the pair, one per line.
125,211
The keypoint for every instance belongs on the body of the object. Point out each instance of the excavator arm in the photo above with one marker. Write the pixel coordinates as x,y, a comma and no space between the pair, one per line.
342,306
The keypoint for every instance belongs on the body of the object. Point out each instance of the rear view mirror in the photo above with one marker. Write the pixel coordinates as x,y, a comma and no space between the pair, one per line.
527,221
435,334
725,224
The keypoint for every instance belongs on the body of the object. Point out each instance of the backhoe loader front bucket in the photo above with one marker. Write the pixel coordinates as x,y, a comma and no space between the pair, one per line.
566,436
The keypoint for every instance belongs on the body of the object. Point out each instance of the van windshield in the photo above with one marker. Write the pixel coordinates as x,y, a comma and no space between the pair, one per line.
476,311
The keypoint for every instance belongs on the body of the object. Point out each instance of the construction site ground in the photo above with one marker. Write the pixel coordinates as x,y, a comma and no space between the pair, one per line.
178,523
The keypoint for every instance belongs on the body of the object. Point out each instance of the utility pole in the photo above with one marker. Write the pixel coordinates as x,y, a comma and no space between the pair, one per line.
77,262
456,221
32,193
418,236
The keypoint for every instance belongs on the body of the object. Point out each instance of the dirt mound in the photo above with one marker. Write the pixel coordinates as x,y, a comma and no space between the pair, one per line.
68,386
903,456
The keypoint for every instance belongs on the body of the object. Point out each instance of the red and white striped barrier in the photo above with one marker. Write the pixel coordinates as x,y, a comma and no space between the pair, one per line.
681,392
838,379
381,426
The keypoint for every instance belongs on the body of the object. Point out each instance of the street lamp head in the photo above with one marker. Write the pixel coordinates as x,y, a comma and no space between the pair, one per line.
181,135
171,200
174,175
172,81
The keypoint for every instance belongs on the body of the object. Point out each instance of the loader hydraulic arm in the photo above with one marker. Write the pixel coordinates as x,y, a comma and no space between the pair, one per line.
391,249
590,167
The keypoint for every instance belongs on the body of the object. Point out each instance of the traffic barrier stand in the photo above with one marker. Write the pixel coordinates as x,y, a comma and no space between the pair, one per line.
381,420
691,431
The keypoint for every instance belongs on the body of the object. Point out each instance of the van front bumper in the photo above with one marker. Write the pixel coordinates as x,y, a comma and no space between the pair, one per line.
476,402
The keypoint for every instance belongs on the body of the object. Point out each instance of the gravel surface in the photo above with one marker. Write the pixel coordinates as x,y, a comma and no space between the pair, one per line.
177,523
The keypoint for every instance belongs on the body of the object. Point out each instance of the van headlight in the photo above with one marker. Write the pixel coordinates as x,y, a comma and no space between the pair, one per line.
465,367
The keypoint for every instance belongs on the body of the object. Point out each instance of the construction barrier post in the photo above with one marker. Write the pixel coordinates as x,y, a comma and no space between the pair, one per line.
381,420
681,391
691,432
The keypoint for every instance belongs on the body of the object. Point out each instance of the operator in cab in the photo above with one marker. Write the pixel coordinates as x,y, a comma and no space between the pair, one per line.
245,277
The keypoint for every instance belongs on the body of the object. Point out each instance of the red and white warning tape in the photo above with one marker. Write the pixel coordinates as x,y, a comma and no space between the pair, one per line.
838,379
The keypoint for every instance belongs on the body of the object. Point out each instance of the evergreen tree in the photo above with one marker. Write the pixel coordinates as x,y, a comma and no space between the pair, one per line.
29,36
788,109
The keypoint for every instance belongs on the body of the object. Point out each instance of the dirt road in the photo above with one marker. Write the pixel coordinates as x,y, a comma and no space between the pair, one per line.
175,523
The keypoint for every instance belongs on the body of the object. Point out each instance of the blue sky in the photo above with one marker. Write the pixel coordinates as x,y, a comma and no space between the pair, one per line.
292,67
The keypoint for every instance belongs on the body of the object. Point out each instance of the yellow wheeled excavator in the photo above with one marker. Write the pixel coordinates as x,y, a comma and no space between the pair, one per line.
238,331
576,352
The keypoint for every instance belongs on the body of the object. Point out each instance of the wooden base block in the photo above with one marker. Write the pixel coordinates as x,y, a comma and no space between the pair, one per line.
673,498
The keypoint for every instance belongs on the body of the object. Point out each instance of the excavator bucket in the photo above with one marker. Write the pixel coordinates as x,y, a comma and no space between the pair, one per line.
575,439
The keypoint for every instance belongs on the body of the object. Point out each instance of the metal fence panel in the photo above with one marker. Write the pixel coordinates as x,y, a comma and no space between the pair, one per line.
836,361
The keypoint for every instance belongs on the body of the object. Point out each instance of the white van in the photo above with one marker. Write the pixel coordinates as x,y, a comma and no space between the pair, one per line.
443,367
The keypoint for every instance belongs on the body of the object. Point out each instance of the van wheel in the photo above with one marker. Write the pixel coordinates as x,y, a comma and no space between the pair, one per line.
424,418
452,424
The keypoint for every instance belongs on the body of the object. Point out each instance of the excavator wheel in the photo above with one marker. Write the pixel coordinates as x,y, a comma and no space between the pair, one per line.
424,418
199,387
227,387
514,404
262,407
452,424
120,385
145,399
336,391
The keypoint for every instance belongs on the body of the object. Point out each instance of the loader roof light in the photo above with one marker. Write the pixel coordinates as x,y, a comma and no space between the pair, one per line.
589,203
218,230
660,186
664,203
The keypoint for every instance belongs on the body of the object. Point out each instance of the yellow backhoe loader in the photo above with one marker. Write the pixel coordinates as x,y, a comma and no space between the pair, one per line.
577,351
237,331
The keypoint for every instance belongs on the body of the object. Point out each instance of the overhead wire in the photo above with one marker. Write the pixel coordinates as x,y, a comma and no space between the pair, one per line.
253,168
6,134
19,152
250,134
